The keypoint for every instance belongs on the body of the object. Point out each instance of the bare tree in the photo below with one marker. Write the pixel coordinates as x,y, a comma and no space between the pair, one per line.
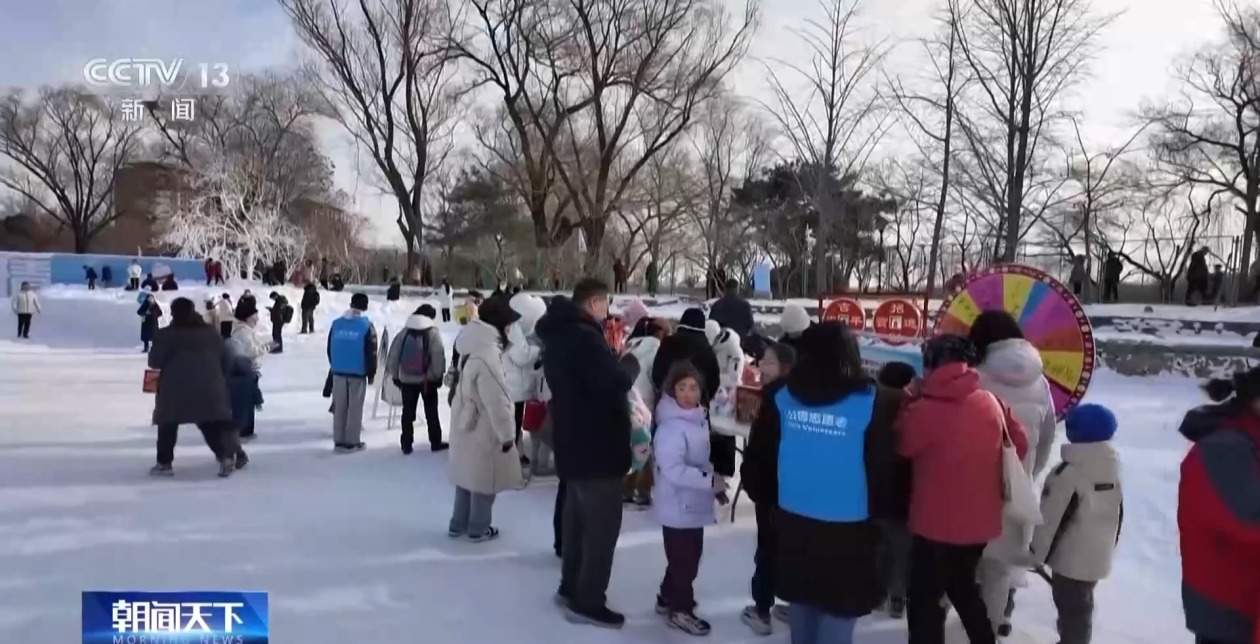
932,116
1165,226
594,89
1210,134
656,209
66,147
1021,56
911,186
383,67
835,124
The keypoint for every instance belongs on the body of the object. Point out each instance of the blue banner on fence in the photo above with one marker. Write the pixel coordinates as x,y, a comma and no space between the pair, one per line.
127,617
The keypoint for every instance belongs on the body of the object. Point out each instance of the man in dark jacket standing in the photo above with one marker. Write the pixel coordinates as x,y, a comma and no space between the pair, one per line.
591,423
281,313
689,343
733,312
310,300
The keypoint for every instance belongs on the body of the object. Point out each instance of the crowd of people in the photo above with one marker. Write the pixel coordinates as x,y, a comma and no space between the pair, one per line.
904,493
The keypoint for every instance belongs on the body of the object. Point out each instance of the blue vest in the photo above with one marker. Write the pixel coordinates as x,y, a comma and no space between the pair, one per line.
822,463
347,339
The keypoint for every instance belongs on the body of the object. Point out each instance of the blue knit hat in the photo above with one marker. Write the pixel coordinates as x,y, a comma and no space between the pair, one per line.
1090,424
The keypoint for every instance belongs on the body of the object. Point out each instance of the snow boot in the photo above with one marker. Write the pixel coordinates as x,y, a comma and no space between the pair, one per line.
242,459
406,449
688,623
226,467
602,617
161,470
439,447
757,621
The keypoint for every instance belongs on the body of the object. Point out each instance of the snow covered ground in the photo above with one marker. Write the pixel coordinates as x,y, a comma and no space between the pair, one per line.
353,547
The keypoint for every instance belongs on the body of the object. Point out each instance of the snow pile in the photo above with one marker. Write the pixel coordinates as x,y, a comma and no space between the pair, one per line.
353,547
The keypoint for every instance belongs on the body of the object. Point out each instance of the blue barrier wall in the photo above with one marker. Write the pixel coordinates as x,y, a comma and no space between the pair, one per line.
67,268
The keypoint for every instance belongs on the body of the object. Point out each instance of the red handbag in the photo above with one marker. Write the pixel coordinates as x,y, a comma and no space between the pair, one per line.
534,416
150,384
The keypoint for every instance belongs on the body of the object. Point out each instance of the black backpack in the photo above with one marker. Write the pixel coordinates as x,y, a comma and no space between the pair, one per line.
287,312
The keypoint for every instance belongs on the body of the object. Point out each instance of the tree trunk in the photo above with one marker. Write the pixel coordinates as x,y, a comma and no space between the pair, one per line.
593,232
821,235
1244,256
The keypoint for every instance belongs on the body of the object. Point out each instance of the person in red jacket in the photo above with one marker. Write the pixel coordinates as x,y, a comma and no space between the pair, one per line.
1218,513
952,433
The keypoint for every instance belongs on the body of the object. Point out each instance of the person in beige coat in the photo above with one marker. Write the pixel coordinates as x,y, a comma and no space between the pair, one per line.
484,460
1083,508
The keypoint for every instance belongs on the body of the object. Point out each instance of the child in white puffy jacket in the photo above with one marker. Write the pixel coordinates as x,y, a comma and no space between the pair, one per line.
1083,508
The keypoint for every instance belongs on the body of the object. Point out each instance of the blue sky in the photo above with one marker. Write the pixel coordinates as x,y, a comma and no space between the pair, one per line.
49,41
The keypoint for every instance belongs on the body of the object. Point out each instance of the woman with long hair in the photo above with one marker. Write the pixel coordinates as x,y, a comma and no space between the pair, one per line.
821,452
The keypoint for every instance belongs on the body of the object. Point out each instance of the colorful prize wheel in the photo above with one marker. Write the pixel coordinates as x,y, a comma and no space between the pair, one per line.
1050,316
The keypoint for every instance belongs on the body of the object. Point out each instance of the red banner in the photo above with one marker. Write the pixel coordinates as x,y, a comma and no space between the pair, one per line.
847,311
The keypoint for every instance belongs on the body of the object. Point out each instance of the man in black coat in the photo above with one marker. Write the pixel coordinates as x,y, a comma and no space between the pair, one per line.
310,301
281,313
591,424
732,311
689,343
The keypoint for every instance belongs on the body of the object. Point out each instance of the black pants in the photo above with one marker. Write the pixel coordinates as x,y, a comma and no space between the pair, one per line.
941,569
519,410
683,548
92,284
216,434
277,340
308,321
411,396
446,315
225,330
1196,287
764,559
133,283
1111,291
592,523
24,325
557,519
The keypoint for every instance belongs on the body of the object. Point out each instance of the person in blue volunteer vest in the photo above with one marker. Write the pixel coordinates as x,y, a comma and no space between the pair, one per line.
822,451
352,359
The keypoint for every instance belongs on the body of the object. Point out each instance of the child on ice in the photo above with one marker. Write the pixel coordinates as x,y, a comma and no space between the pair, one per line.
683,493
1083,506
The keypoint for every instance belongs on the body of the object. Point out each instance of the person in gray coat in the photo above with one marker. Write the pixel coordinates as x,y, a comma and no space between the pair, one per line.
416,363
192,388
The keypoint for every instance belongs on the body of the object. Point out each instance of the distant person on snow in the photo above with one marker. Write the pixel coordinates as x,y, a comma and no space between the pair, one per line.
281,314
1083,507
150,284
1078,277
149,313
225,313
1218,513
310,301
133,275
169,284
732,311
1197,277
107,276
352,356
416,363
90,274
446,296
1112,270
1216,282
25,304
247,343
394,292
192,388
209,268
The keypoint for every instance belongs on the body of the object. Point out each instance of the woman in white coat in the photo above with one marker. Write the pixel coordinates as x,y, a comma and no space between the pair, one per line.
521,360
446,296
1011,368
484,460
730,356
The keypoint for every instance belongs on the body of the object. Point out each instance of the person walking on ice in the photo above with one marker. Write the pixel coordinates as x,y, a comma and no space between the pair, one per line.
352,359
25,305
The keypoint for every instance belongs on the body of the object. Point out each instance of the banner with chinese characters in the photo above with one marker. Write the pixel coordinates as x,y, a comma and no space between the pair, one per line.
847,311
897,319
132,617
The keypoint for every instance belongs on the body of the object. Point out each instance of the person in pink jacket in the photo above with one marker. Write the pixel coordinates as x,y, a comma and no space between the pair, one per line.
952,433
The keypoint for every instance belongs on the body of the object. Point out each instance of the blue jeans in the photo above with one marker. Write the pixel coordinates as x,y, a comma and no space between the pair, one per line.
471,514
813,626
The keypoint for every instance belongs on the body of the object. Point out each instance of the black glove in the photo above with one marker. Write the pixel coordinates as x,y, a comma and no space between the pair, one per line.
507,447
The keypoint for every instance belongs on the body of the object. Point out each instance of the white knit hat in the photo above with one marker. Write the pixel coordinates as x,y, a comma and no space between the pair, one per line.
712,330
794,319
